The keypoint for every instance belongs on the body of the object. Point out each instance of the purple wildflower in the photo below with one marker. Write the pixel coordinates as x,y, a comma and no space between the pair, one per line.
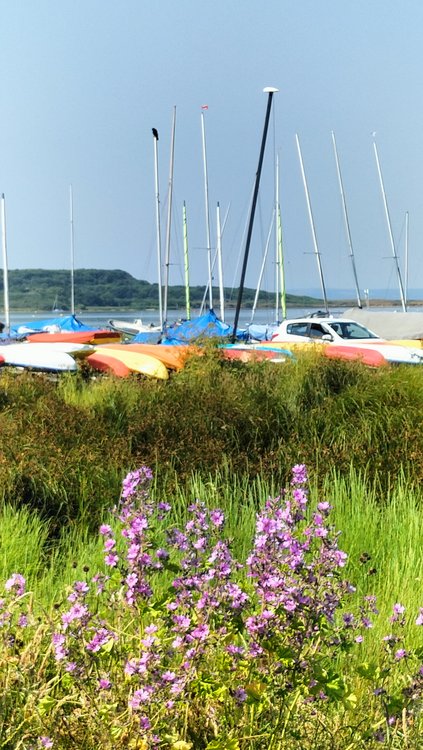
240,695
16,581
299,474
217,517
168,676
104,683
140,696
145,723
101,637
111,560
201,632
60,651
46,742
400,654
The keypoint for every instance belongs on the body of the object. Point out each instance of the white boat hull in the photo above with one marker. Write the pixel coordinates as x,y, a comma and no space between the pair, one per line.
28,356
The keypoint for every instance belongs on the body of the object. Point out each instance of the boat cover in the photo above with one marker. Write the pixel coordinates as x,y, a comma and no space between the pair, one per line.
389,324
147,337
259,332
51,325
205,326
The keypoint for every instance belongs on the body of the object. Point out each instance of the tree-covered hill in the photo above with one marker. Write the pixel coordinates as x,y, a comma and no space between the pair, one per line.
39,289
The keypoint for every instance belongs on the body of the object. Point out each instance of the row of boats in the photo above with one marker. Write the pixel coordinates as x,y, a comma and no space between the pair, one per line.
61,344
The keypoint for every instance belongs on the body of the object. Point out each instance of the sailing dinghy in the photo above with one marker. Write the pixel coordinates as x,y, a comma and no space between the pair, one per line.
30,357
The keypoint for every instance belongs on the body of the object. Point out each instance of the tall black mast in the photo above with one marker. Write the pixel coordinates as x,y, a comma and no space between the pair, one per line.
268,90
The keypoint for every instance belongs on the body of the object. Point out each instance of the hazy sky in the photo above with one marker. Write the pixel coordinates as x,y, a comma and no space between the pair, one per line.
84,81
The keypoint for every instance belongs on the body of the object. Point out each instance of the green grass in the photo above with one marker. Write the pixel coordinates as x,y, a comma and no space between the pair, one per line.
65,443
390,533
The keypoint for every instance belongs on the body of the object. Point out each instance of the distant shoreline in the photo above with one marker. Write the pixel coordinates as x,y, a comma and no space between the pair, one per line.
317,304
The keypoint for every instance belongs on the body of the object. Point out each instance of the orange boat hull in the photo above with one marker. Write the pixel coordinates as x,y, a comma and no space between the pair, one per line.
172,356
79,337
369,357
105,363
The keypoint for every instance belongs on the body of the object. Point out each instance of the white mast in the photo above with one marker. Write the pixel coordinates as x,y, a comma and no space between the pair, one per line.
206,290
186,263
169,216
219,263
279,250
158,234
281,262
388,221
263,263
206,196
5,267
72,249
406,258
313,231
347,224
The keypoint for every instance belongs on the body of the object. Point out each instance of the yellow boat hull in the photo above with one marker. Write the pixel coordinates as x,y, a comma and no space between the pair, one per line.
136,362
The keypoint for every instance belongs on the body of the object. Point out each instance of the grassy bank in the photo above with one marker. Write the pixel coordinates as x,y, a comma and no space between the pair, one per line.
64,445
317,674
225,434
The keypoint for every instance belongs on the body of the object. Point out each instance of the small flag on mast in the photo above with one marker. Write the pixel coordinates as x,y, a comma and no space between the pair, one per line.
204,106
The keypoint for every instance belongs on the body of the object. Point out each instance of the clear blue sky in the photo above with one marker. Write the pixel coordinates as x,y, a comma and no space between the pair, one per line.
84,81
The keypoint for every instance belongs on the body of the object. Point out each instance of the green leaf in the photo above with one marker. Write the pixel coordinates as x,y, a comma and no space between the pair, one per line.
106,710
232,744
351,700
116,731
368,670
255,690
172,567
335,688
108,646
67,680
46,704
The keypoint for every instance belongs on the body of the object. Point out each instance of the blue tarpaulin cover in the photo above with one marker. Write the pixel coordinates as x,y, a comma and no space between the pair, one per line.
261,332
147,337
52,325
205,326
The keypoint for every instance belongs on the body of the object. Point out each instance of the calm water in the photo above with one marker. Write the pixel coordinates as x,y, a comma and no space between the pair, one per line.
102,318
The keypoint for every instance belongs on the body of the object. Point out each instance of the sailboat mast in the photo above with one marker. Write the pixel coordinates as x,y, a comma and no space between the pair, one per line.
186,263
206,198
281,263
347,223
406,259
5,267
270,90
158,233
219,263
391,236
313,230
263,263
279,248
72,251
169,216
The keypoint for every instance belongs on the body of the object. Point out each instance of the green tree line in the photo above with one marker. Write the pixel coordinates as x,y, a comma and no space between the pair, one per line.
38,289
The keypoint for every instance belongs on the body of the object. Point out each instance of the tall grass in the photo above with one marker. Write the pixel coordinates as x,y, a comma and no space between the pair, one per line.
64,445
390,533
